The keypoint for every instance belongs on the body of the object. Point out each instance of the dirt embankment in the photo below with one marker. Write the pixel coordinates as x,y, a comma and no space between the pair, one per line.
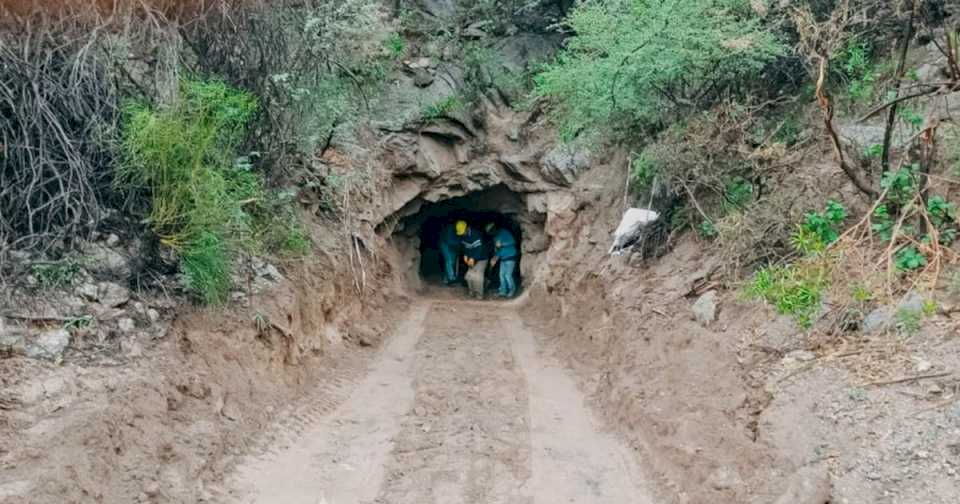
165,427
747,407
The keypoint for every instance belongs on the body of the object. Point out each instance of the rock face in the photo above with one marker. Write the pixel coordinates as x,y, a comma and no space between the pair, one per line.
564,164
705,309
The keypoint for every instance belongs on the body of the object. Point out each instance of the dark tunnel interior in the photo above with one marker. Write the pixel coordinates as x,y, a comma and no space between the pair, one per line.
496,205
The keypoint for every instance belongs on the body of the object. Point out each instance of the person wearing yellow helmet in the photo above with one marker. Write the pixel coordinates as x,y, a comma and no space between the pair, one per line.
450,247
476,255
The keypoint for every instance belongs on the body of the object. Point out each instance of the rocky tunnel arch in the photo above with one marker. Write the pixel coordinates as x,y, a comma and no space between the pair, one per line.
415,230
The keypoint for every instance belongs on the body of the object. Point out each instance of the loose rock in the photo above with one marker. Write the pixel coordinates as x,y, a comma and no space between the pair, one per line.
48,345
724,478
112,295
705,309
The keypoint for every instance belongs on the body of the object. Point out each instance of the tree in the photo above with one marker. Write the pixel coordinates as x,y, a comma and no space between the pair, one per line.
632,62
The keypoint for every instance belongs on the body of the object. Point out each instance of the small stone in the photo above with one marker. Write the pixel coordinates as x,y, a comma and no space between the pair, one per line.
12,343
420,63
923,366
231,411
152,489
912,302
153,315
802,355
878,320
131,348
705,308
112,240
422,78
126,324
88,291
419,411
724,478
31,281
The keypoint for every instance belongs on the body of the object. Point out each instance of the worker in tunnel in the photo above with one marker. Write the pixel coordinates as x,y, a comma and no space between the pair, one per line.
476,254
450,245
506,253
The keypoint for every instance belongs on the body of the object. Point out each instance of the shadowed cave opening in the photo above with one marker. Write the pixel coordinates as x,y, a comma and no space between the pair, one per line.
421,222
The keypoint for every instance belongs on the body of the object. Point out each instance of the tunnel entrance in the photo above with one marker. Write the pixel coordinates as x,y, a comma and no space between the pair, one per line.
431,260
421,224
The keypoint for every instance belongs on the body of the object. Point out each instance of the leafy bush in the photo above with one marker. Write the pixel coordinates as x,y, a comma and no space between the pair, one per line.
206,202
633,62
902,184
819,229
795,290
909,258
643,170
395,45
859,71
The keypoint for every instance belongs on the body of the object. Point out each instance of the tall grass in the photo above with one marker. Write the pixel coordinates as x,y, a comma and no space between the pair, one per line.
206,201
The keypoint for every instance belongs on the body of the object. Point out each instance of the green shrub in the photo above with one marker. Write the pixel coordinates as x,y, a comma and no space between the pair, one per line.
901,185
909,259
819,229
634,62
206,202
643,170
795,290
206,266
859,70
909,321
737,194
395,45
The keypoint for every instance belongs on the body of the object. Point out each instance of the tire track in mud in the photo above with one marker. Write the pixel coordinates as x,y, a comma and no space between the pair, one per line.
467,439
333,449
460,408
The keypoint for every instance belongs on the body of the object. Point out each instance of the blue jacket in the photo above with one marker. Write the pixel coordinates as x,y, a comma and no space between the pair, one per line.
505,245
474,246
448,237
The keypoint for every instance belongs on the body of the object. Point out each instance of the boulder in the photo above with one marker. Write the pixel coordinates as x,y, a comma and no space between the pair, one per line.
878,320
87,291
564,164
48,345
705,308
112,295
106,261
422,78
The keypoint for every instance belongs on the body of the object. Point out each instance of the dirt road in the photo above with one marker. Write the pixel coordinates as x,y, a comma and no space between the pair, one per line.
459,408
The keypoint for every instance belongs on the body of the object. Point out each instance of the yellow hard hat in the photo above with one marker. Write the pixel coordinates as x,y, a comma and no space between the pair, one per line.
461,227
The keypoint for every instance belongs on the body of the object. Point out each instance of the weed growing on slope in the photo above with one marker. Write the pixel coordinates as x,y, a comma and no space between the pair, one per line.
56,274
205,201
795,289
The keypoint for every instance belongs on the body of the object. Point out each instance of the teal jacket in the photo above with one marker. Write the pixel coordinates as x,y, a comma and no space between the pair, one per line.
505,245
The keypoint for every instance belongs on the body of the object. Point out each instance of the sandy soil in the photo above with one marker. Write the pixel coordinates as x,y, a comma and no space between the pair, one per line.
461,407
